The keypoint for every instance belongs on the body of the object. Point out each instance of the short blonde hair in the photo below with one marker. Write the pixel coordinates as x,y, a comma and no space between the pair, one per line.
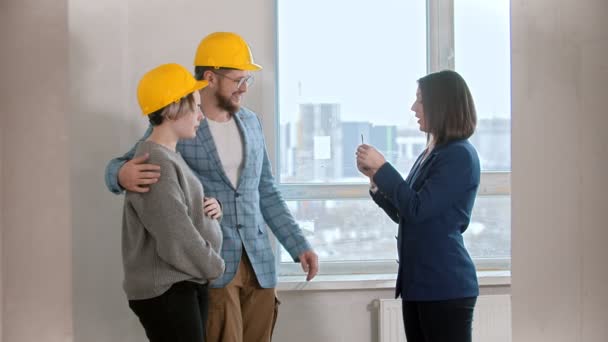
174,111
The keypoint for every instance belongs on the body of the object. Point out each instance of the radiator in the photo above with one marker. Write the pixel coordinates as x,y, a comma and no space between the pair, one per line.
491,321
390,326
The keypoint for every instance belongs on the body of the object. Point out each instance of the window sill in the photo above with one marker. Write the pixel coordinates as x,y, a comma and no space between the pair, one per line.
372,281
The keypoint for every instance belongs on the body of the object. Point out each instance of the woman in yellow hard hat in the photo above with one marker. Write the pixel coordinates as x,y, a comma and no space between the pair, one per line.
171,237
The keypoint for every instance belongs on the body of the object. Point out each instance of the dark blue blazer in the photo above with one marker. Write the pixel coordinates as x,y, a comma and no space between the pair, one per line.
433,208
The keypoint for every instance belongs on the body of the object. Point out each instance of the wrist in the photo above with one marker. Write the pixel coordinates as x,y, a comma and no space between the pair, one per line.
373,188
378,167
120,177
374,171
372,174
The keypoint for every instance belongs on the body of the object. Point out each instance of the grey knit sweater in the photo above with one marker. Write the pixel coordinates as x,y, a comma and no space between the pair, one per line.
166,238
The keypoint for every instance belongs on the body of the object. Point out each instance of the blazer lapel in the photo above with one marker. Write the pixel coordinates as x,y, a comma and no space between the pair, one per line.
420,174
241,125
209,145
414,169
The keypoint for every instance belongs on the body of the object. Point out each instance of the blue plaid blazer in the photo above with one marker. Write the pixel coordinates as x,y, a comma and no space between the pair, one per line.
248,208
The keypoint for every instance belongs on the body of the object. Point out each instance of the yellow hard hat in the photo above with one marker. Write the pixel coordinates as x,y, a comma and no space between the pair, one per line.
165,84
225,50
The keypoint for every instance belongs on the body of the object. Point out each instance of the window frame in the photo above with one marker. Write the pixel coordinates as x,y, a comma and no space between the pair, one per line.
440,56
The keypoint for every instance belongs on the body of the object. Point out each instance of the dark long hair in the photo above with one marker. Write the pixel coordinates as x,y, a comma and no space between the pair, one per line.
449,110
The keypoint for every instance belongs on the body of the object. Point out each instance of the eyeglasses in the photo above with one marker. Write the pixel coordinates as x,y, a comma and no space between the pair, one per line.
248,80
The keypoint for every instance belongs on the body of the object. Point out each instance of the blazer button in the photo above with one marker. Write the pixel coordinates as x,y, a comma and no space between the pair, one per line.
239,226
237,195
397,260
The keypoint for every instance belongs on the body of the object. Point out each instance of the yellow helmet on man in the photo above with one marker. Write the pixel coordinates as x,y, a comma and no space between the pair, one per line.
225,50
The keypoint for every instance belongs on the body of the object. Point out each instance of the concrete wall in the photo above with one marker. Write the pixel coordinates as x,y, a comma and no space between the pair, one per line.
112,43
35,176
560,158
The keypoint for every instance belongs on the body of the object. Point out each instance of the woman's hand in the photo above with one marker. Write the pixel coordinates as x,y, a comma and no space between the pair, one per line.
369,160
212,208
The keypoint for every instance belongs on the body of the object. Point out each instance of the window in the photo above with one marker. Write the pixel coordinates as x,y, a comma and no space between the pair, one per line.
347,71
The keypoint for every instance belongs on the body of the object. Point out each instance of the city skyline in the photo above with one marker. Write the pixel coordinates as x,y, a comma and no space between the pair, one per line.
319,146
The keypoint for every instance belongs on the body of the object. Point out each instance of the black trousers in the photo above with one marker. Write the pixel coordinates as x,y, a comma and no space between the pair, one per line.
439,321
178,315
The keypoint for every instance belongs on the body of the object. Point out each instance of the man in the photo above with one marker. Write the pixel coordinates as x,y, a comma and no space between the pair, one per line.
229,156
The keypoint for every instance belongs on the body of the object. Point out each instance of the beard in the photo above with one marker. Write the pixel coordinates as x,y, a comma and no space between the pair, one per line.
224,103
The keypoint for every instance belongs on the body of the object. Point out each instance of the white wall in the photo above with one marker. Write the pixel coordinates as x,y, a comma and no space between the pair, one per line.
560,158
36,229
112,43
339,316
3,110
68,105
3,38
336,316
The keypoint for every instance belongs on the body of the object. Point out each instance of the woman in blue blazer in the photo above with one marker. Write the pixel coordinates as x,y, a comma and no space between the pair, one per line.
436,279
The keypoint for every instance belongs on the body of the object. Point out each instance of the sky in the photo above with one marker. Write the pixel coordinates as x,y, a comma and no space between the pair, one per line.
368,55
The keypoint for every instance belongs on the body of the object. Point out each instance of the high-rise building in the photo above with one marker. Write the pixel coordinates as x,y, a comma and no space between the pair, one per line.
384,138
492,139
351,138
287,152
318,155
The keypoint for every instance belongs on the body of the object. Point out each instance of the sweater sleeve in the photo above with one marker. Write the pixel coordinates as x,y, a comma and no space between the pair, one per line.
164,213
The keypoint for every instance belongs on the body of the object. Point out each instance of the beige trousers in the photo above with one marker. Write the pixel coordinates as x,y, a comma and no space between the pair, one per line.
242,311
